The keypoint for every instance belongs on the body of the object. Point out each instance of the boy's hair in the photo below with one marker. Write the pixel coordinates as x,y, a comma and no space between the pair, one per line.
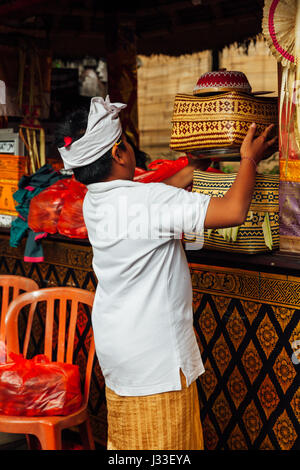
75,126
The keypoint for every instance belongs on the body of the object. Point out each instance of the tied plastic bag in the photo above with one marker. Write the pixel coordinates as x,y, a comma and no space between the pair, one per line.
71,222
38,387
59,209
160,170
45,208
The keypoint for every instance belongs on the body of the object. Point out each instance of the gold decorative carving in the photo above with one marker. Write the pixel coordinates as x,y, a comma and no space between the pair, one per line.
247,285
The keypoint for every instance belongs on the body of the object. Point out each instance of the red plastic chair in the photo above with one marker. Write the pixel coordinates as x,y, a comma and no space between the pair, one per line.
48,428
16,284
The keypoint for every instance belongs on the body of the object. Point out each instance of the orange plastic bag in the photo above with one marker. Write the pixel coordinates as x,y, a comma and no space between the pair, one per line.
45,207
59,209
71,222
160,170
38,387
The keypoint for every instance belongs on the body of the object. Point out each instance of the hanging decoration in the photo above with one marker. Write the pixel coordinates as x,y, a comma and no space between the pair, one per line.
281,28
31,99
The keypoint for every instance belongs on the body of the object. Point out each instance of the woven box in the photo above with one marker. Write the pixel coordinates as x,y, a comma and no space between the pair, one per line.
7,202
218,121
250,236
12,166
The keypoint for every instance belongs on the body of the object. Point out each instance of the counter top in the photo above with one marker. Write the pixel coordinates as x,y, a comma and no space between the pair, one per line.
275,262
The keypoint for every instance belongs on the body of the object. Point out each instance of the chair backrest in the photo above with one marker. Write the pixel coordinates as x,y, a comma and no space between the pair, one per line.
11,286
61,312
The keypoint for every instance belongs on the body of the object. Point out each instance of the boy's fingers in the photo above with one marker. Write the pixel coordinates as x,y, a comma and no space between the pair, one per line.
266,132
250,134
272,141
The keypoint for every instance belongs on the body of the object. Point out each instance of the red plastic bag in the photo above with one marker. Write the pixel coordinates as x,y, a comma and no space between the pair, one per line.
38,387
160,170
59,209
45,207
71,222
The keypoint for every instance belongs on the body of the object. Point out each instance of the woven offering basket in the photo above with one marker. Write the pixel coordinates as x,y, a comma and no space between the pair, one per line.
218,121
260,232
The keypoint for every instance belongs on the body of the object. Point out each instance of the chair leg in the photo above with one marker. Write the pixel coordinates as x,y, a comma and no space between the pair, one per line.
50,438
86,435
32,442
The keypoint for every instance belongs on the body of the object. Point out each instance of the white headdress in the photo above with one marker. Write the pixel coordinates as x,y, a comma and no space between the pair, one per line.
103,130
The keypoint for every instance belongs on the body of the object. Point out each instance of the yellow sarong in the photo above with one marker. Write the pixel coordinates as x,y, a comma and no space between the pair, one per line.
164,421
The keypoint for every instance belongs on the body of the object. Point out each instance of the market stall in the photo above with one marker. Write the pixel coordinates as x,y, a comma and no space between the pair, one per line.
246,301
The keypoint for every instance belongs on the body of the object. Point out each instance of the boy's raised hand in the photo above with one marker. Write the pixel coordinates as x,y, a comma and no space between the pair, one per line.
255,148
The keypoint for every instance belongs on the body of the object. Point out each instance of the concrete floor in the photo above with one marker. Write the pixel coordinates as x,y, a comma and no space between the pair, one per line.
12,441
18,441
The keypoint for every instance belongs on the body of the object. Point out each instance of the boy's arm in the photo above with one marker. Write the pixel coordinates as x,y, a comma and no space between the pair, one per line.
184,177
232,208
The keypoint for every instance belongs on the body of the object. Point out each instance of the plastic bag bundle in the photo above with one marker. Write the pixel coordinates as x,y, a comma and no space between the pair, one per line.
59,209
45,208
71,222
38,387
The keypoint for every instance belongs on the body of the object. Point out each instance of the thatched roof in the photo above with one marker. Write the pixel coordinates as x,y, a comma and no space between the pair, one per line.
76,28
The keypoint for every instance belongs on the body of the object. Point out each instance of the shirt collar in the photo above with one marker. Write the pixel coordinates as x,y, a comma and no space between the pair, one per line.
107,185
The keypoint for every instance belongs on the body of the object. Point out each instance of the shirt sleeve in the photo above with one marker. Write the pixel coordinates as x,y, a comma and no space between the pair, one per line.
175,210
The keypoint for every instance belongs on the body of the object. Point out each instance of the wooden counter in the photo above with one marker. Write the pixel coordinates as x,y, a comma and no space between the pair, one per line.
246,317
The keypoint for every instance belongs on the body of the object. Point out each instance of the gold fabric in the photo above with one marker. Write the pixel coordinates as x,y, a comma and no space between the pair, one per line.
290,171
164,421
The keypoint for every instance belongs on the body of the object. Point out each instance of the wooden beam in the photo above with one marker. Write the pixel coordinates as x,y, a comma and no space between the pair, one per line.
33,33
121,59
197,39
234,21
68,10
15,40
87,20
10,8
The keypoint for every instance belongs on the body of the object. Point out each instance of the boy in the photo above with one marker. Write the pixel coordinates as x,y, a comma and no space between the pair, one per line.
142,315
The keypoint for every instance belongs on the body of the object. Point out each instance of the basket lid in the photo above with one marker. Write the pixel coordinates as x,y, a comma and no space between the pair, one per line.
224,80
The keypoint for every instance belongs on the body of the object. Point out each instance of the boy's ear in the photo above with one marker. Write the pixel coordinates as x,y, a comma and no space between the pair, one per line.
116,154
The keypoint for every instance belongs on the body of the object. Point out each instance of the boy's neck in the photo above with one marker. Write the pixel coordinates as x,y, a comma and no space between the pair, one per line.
120,176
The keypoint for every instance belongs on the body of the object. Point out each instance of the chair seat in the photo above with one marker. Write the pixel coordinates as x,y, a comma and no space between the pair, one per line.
71,420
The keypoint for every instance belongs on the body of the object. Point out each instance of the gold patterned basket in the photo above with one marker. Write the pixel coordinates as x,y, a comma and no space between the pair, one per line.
221,120
260,231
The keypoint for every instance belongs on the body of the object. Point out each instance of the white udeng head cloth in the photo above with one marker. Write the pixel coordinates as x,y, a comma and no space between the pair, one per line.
103,130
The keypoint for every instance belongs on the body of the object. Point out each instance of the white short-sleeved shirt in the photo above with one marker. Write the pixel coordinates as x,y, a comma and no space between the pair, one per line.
142,314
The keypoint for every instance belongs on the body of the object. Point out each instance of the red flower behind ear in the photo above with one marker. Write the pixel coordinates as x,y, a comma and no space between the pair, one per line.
68,141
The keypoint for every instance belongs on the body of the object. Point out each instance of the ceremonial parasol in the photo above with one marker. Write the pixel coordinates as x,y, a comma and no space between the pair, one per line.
281,28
